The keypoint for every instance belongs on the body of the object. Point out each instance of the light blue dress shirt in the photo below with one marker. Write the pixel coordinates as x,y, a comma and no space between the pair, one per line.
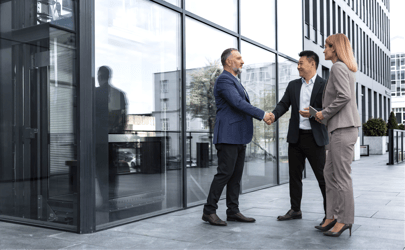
305,98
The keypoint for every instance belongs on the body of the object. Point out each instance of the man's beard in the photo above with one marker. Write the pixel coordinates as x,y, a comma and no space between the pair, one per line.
237,70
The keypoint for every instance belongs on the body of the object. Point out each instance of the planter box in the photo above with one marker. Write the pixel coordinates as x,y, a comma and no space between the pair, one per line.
377,144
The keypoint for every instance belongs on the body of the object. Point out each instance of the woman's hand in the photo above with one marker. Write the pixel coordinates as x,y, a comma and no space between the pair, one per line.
319,117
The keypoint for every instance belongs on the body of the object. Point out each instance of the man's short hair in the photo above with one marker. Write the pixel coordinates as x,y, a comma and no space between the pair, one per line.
310,56
226,54
105,71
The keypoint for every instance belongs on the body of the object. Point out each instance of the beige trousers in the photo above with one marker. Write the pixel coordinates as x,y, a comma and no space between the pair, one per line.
339,187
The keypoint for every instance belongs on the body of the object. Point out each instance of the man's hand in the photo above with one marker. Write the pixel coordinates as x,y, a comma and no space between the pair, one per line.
319,117
269,118
306,113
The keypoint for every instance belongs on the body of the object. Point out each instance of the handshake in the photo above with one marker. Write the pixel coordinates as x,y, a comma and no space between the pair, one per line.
269,118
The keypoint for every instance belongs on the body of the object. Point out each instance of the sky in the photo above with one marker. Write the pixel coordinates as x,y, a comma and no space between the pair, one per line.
397,26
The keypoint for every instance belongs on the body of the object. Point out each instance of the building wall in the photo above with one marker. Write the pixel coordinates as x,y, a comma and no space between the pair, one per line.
398,86
356,19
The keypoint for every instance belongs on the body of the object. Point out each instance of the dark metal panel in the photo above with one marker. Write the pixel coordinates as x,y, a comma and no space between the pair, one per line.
26,167
86,148
169,5
18,125
277,128
277,83
44,76
183,105
287,57
28,35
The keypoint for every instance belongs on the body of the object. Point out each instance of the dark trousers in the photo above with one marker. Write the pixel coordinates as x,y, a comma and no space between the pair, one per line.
306,147
231,158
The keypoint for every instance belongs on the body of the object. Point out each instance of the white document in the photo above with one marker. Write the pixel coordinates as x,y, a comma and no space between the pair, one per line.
313,112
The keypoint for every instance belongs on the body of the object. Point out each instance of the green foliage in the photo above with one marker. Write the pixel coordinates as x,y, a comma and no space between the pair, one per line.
200,99
375,127
392,122
401,126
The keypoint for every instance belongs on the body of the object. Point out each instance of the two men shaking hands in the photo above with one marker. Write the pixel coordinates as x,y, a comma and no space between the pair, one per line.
269,118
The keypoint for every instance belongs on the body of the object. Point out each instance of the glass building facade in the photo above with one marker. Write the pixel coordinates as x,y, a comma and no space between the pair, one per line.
398,86
107,107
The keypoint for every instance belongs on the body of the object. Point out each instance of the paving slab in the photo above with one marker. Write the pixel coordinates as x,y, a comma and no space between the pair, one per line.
379,192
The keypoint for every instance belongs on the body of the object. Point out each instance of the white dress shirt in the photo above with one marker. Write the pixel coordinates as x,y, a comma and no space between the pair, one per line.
305,98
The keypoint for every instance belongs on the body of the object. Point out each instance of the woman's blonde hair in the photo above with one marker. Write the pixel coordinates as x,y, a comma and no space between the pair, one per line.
343,50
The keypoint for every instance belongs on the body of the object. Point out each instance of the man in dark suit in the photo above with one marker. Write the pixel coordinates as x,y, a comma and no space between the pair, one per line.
233,130
306,137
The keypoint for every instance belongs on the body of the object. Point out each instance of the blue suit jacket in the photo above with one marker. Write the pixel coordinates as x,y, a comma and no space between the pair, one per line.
233,124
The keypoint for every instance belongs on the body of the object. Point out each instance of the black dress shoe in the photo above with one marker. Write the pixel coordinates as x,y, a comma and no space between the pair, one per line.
337,234
327,227
213,219
239,217
290,215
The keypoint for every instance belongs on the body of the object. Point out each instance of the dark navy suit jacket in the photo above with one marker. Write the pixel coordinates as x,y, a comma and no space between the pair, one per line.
233,124
292,98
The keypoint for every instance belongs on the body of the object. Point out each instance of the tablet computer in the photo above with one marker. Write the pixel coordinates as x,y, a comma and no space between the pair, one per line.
313,112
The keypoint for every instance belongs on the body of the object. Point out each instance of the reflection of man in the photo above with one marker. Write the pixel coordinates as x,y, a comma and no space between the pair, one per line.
306,137
110,119
233,130
117,111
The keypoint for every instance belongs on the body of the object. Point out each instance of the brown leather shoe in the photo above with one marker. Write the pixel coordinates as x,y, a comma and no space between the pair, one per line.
290,215
213,219
239,217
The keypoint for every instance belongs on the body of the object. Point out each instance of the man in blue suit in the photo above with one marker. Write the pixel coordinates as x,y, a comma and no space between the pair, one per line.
233,130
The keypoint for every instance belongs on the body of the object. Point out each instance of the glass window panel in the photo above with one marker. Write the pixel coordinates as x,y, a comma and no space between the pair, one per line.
174,2
287,71
222,12
290,36
38,151
260,161
138,155
57,12
258,21
203,68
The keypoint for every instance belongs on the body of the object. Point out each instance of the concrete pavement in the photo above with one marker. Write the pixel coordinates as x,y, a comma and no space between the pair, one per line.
379,224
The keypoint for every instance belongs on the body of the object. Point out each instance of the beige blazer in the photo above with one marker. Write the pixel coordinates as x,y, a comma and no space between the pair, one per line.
339,99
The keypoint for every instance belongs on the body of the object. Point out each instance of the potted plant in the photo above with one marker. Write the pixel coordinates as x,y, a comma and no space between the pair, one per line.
374,136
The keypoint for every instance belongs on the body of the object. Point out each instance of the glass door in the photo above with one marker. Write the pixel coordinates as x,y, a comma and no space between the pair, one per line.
38,168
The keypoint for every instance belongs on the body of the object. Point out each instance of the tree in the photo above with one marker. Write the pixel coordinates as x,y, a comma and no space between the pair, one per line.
375,127
201,100
392,122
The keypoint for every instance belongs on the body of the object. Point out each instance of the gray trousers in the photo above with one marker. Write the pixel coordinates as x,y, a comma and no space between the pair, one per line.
339,187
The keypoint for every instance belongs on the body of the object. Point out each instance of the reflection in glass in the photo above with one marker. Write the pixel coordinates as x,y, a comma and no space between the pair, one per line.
38,166
222,12
290,27
174,2
57,12
259,79
287,71
137,105
258,21
203,68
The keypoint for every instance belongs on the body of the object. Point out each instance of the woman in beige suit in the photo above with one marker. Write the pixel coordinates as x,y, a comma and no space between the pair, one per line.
342,121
